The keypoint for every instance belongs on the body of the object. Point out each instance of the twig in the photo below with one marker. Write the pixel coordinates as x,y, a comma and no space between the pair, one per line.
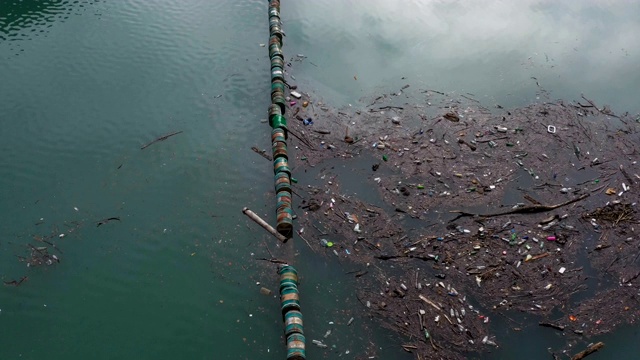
268,250
537,257
490,140
471,146
16,282
106,221
305,240
274,260
601,111
304,141
161,138
261,153
264,224
423,298
468,98
553,326
631,278
522,210
626,175
435,91
52,245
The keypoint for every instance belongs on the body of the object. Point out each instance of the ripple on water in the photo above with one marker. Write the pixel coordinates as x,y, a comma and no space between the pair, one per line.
85,101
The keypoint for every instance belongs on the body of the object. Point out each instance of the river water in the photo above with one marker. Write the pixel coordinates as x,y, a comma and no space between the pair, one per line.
87,83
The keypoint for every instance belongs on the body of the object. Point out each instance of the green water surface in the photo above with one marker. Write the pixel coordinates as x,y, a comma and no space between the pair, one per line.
85,84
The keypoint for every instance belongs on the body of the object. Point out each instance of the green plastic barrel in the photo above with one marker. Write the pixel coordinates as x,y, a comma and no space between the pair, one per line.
280,56
277,91
289,299
283,208
275,21
282,178
273,111
274,47
283,187
277,34
281,165
275,30
279,149
277,87
286,188
278,121
283,201
276,52
296,347
289,277
288,280
287,268
275,26
277,62
275,39
279,99
284,222
278,134
288,283
293,323
277,74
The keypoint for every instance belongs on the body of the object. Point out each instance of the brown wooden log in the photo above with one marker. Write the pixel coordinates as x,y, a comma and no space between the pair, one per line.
588,351
253,216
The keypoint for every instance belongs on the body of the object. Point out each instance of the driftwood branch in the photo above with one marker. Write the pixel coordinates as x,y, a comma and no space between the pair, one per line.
553,326
264,224
490,140
626,175
302,140
588,351
16,282
161,138
521,210
274,261
106,221
261,153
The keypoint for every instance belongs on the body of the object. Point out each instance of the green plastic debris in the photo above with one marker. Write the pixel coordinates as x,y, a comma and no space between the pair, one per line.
420,187
294,180
385,158
510,145
426,334
303,158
